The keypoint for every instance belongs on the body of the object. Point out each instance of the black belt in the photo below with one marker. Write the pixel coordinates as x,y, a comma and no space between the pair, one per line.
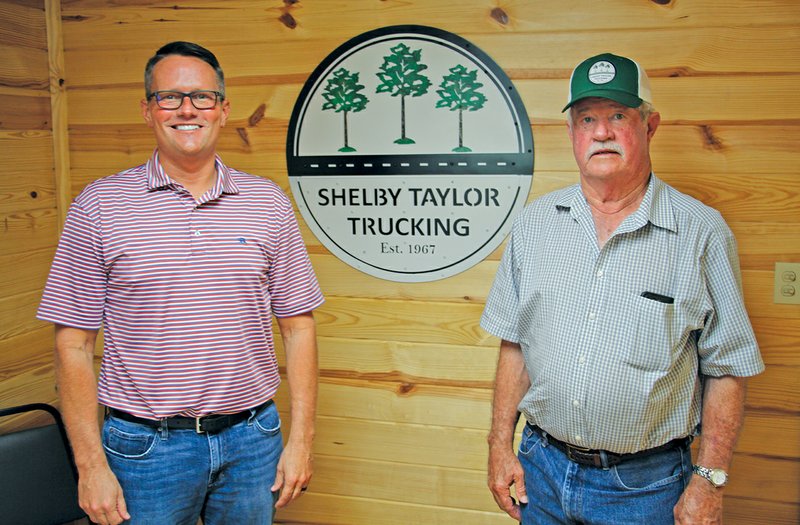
603,458
211,423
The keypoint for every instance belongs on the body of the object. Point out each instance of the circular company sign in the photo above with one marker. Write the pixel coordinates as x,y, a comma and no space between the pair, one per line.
409,152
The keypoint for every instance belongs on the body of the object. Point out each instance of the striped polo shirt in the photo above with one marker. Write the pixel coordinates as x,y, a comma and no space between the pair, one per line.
184,289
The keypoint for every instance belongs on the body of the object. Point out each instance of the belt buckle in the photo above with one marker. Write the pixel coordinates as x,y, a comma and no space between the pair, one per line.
573,449
197,426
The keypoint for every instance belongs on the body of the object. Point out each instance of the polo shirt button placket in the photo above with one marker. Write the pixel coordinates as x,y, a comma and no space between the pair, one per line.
195,240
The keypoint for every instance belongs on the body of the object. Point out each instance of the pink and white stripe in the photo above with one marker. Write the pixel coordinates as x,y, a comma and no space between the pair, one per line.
184,290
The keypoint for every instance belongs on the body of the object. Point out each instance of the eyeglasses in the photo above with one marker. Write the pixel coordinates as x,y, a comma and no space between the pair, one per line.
174,99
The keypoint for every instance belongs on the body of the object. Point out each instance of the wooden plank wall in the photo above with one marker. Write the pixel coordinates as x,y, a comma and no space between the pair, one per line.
406,371
28,204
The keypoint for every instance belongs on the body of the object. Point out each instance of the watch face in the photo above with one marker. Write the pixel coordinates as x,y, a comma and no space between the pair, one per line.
718,477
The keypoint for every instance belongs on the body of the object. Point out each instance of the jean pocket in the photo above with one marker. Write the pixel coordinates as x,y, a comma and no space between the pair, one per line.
529,441
268,422
650,472
129,441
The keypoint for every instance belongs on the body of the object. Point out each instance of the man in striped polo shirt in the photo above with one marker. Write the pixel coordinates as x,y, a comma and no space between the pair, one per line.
619,305
183,262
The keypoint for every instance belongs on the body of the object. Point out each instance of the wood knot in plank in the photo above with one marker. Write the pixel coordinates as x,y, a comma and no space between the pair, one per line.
710,141
662,2
500,15
74,18
291,2
680,72
288,20
257,115
244,136
406,388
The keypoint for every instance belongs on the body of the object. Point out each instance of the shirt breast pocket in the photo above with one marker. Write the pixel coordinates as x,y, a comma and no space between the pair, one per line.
654,337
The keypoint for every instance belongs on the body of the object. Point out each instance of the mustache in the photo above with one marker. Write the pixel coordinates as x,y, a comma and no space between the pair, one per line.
604,146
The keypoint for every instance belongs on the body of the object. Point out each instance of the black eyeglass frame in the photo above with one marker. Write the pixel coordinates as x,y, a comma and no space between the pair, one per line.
218,97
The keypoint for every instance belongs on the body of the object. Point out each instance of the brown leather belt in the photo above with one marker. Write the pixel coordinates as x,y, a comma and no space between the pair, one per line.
603,458
212,423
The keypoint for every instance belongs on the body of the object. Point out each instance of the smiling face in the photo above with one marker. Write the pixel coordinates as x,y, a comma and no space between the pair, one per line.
610,141
185,135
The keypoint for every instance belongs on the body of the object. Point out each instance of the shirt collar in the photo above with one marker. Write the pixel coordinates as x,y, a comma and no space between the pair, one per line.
157,178
656,206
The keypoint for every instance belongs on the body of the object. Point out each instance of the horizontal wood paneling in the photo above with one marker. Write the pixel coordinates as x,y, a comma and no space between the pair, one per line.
776,479
402,321
26,150
19,314
445,487
27,271
31,191
417,403
406,373
748,153
28,230
24,109
34,385
750,511
23,25
24,67
326,509
24,352
778,340
686,100
645,25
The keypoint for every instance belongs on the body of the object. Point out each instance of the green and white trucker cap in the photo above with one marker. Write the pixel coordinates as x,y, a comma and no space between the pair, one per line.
609,76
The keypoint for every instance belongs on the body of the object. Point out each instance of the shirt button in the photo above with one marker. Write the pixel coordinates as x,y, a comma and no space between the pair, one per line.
599,273
592,316
582,359
578,439
196,233
576,403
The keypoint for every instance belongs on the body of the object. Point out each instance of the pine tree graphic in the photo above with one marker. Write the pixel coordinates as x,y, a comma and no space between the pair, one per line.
400,75
342,95
459,92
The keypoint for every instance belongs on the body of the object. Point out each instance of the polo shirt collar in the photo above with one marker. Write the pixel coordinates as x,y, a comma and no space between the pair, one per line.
157,178
656,206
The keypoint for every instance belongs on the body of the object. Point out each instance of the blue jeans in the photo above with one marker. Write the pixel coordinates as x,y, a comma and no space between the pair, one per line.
173,476
638,491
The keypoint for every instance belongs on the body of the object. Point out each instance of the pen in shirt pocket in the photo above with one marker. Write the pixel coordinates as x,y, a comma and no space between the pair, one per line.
658,297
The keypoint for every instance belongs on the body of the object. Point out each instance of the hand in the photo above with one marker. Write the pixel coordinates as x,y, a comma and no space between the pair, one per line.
700,504
294,472
505,470
100,496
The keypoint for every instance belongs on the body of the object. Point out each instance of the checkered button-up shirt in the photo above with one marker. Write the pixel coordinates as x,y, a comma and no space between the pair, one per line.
616,340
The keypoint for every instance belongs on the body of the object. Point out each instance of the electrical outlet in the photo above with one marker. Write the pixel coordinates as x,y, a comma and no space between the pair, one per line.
787,283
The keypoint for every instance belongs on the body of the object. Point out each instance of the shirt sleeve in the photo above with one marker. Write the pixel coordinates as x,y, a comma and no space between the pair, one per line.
293,286
75,291
502,305
727,344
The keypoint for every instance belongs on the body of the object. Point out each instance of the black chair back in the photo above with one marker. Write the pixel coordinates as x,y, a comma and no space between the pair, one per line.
38,479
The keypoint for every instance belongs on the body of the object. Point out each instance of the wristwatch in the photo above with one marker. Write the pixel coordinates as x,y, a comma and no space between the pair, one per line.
715,476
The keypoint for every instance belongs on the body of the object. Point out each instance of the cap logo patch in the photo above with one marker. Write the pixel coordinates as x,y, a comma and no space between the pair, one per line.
602,72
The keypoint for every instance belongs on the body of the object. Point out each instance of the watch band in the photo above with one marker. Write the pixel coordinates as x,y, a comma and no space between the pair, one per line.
715,476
